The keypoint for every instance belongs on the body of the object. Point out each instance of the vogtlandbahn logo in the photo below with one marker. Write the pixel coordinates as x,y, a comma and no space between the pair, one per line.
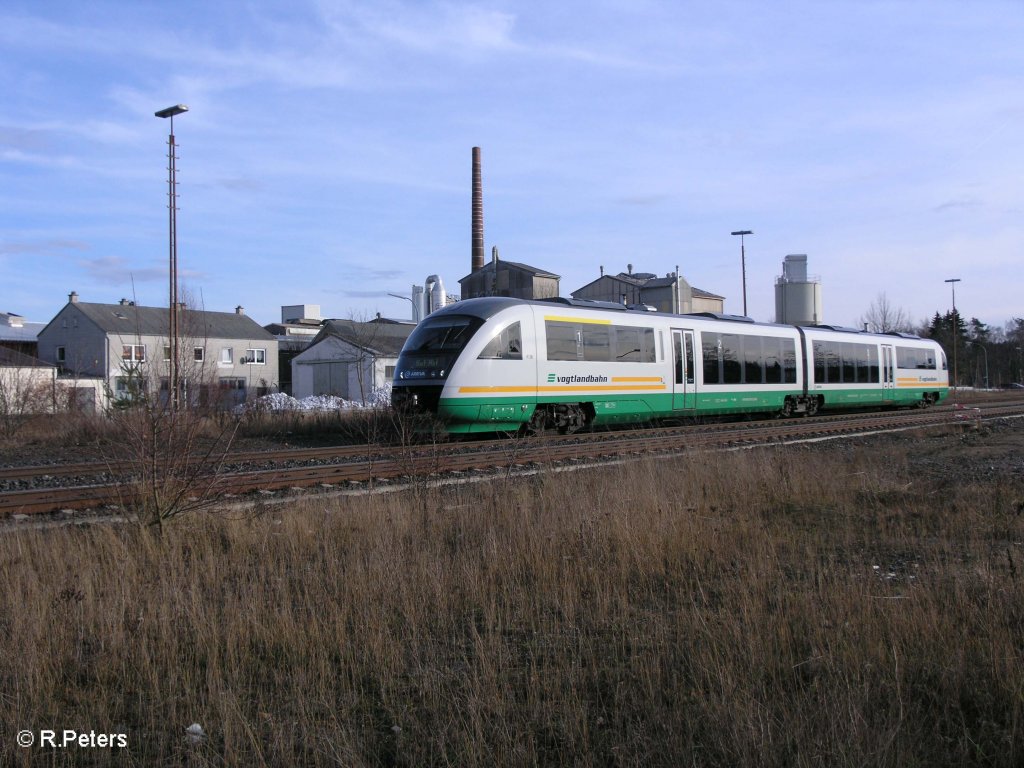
552,378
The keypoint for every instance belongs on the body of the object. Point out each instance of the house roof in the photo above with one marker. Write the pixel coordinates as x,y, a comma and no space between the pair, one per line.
154,321
385,337
491,266
13,358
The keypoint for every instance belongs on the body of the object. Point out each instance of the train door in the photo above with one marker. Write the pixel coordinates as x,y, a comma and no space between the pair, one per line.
684,394
888,370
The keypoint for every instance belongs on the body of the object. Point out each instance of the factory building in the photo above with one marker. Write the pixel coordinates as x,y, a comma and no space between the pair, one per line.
509,278
671,293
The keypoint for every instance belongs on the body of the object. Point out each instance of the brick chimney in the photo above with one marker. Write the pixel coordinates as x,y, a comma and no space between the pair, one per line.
477,260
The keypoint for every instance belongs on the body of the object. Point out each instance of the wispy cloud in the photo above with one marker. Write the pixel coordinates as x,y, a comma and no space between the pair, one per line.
117,270
41,247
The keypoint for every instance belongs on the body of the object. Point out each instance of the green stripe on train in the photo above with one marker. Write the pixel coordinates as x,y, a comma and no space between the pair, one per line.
484,414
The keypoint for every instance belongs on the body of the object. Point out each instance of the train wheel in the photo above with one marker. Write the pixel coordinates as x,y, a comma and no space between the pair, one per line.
787,408
538,422
569,418
812,406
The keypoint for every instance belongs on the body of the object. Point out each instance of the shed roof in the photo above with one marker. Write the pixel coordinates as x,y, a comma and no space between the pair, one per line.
384,337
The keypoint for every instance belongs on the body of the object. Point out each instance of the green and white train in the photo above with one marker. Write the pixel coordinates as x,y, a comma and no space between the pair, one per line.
502,364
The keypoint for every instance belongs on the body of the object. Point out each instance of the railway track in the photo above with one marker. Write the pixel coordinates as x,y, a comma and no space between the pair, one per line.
267,471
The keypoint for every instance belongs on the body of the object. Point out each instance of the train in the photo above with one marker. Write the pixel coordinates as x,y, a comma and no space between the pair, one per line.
500,364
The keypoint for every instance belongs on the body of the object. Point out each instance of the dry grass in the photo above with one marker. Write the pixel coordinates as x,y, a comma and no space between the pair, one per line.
751,608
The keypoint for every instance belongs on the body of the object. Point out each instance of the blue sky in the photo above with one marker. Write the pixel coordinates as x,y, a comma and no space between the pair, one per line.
326,155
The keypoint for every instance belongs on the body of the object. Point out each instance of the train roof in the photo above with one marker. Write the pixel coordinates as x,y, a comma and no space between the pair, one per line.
488,306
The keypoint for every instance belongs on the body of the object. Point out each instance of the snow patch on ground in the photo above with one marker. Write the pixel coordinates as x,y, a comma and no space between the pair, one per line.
380,397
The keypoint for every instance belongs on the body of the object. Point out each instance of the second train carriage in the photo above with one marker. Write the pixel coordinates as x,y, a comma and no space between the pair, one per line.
498,364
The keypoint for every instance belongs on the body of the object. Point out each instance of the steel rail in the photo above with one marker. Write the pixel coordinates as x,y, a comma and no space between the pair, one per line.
278,456
413,461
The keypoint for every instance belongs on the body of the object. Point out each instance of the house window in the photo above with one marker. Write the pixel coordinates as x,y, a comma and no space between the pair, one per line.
198,353
167,353
133,353
129,388
232,383
257,356
60,354
389,372
227,356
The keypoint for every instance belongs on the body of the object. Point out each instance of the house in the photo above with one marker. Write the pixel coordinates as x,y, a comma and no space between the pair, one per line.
509,278
350,359
224,357
671,293
27,386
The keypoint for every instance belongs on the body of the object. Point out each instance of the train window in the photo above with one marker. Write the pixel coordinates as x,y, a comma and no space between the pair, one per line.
849,356
912,357
632,345
709,345
868,365
732,369
599,342
564,340
597,345
445,333
677,345
789,360
507,345
773,352
833,363
734,359
820,371
753,359
626,344
943,360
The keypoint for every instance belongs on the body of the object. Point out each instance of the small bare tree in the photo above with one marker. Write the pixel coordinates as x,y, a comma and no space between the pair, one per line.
882,317
174,454
23,394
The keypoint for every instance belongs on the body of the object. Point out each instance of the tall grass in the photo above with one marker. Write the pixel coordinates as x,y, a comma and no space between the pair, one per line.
751,608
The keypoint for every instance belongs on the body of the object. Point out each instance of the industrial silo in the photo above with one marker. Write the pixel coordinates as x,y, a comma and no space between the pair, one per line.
797,296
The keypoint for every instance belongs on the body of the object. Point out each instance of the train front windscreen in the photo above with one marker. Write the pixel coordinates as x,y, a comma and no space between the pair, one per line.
428,356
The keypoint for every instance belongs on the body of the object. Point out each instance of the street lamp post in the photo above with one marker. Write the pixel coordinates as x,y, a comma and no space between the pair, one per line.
953,324
743,262
409,299
172,206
